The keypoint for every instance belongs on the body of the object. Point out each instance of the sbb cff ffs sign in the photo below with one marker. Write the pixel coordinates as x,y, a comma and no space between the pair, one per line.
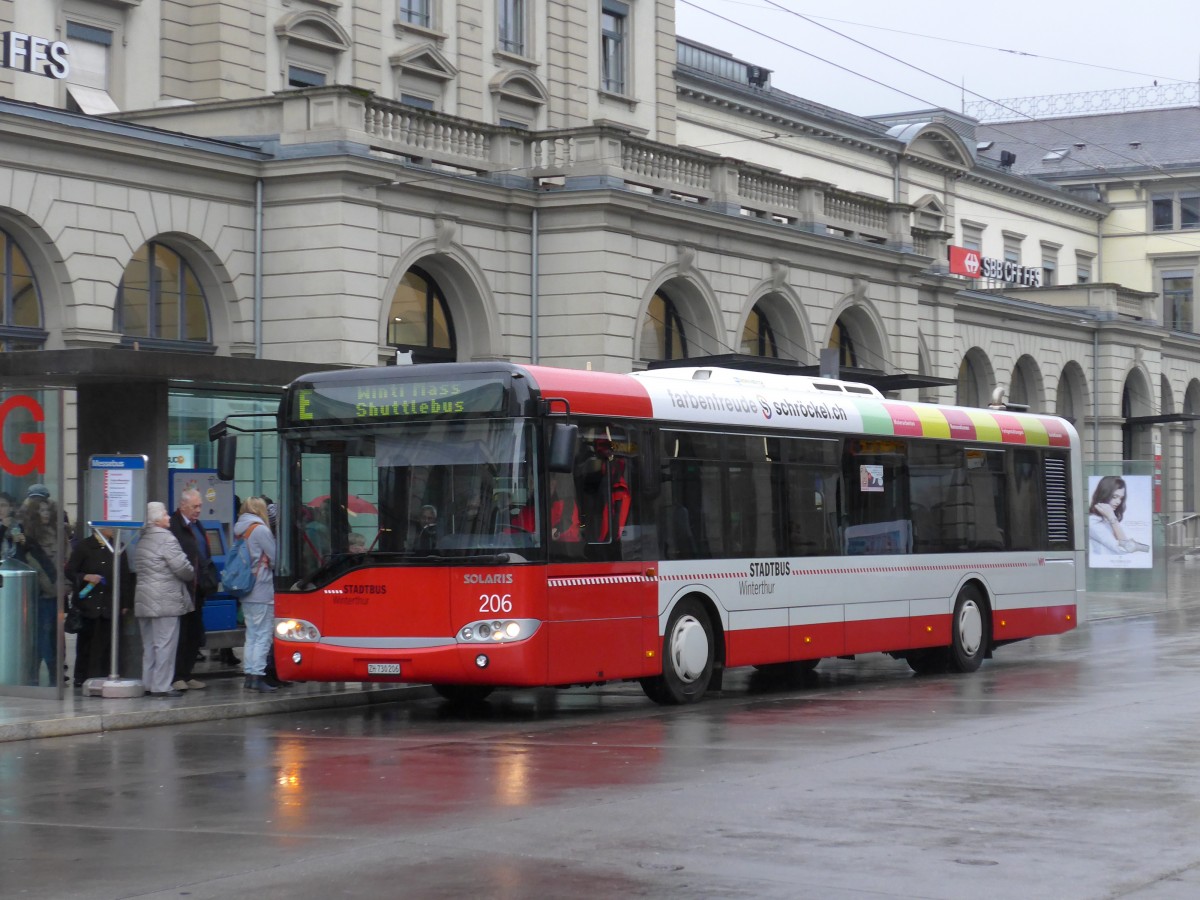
973,264
35,55
27,452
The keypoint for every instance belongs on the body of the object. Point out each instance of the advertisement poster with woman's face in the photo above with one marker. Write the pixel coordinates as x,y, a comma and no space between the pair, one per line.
1119,522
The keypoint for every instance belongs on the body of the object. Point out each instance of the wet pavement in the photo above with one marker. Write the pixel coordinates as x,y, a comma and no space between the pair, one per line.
1065,768
23,718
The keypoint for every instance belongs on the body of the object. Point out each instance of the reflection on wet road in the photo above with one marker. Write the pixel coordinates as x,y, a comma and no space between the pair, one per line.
1064,768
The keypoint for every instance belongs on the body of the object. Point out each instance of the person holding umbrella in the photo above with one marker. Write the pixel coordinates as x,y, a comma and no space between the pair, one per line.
90,572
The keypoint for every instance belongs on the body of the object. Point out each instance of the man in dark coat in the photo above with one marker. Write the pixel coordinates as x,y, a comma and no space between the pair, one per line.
185,525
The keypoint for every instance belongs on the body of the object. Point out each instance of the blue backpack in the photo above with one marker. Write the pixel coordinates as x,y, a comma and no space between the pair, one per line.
240,573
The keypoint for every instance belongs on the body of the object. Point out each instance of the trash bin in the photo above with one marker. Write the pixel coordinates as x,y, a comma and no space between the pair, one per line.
18,621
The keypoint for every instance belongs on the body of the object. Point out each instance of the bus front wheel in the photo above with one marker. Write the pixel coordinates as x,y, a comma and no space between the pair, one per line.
688,652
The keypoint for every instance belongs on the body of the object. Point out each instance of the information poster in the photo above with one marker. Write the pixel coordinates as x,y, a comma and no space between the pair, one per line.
118,495
116,491
1120,522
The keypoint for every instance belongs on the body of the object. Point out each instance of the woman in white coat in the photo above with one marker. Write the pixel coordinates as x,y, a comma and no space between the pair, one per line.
161,597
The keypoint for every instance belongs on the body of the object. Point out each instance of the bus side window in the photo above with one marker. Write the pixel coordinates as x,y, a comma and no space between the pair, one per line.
678,535
691,504
875,471
1026,525
810,473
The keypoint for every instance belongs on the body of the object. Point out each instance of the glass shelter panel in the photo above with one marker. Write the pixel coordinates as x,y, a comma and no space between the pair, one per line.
35,538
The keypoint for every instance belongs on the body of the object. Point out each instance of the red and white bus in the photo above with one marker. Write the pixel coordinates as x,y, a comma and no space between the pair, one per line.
484,525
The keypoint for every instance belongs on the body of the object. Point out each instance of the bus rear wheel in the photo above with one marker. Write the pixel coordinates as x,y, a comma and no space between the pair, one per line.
688,652
969,638
463,693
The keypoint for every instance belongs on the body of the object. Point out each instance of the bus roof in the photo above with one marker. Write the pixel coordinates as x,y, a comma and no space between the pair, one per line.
700,395
731,397
769,380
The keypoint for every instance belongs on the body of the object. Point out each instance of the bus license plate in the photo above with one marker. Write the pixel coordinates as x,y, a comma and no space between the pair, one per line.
383,668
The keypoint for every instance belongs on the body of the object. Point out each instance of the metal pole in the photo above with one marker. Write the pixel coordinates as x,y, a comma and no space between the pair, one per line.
534,300
114,667
1096,394
258,273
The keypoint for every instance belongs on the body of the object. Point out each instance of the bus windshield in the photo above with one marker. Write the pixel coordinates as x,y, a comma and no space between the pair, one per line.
415,493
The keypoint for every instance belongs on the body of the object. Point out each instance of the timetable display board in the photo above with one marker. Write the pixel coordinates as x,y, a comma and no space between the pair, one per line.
116,491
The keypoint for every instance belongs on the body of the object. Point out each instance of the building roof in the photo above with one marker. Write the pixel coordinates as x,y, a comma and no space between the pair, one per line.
116,127
1096,145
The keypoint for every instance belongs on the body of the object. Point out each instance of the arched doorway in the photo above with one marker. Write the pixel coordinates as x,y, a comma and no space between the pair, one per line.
1189,460
974,379
1136,402
1025,386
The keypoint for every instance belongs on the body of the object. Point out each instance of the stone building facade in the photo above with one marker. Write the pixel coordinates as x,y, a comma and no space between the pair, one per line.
326,182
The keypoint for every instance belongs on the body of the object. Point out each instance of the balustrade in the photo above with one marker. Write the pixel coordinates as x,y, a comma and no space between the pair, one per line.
663,170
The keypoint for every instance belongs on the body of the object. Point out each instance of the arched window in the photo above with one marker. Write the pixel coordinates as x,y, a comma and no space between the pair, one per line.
758,337
160,298
311,44
663,336
21,312
842,339
419,320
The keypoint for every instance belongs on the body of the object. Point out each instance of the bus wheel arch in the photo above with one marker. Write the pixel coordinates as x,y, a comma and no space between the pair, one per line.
692,654
970,634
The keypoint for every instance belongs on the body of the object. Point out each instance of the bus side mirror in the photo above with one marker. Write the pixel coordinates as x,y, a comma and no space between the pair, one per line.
226,457
563,442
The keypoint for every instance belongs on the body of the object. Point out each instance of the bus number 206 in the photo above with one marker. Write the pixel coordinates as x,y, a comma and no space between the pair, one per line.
495,603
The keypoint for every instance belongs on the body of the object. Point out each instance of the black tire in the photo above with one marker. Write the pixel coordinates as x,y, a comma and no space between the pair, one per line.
463,693
688,652
928,662
969,631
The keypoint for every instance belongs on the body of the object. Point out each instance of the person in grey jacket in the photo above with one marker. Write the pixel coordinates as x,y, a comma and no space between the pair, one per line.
258,606
162,596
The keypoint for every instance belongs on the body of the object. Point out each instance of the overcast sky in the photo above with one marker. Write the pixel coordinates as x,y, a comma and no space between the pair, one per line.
1017,48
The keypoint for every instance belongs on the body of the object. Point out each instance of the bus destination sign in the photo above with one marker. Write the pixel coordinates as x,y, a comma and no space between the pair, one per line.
346,402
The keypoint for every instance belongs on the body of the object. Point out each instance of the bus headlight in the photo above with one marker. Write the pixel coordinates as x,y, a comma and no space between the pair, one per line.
296,630
497,631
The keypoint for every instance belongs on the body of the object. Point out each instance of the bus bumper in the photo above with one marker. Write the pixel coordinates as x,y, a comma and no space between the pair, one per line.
521,663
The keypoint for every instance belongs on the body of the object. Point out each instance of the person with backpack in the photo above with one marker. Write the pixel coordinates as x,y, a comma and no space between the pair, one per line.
258,606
